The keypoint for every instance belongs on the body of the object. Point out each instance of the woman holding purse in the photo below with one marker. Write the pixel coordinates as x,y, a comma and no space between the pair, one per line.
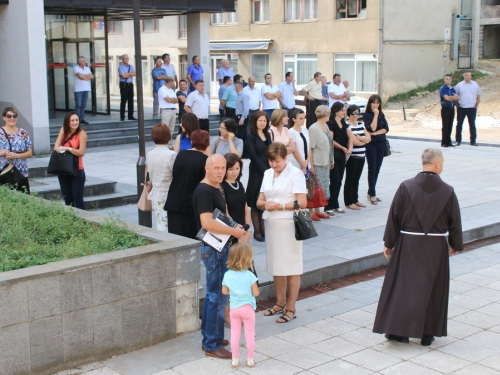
73,139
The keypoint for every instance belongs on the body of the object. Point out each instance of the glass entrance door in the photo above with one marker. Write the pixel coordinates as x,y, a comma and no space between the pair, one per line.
215,64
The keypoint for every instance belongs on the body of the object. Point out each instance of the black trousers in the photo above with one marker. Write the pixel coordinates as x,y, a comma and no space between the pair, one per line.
353,170
242,129
231,113
447,117
204,124
471,117
375,152
336,176
313,104
72,189
127,95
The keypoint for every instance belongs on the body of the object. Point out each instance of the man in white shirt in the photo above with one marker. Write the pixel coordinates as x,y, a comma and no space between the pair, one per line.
314,94
288,92
254,98
167,100
198,103
270,94
83,76
469,95
337,91
169,69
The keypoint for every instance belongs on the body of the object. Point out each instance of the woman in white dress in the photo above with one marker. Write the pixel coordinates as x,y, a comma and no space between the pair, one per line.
282,185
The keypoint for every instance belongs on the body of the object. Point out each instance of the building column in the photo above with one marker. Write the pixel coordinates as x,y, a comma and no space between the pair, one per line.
198,43
23,68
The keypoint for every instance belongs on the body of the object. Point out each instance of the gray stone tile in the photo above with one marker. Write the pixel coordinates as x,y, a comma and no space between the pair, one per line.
467,302
274,346
489,271
169,372
162,271
108,335
204,366
372,359
407,368
476,369
333,326
305,358
403,351
364,336
461,330
44,297
102,371
359,317
78,336
457,286
371,308
367,298
46,345
478,319
338,308
492,362
163,318
486,293
76,290
15,353
336,347
321,300
270,367
455,311
13,304
439,361
492,309
439,341
467,350
135,277
303,336
187,263
476,279
106,284
187,315
485,338
340,367
136,322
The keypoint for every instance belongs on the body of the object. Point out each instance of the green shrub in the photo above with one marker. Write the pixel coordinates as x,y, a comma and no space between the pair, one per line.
35,232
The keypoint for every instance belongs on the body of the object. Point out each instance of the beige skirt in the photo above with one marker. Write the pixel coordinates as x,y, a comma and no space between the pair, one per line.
283,251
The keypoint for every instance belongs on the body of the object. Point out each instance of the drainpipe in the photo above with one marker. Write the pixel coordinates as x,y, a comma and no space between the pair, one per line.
380,46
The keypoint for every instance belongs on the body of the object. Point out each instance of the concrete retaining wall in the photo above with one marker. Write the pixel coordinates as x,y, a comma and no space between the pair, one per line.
68,313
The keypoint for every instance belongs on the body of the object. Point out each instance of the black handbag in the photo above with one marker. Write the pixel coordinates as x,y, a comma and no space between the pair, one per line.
65,164
304,228
387,148
11,176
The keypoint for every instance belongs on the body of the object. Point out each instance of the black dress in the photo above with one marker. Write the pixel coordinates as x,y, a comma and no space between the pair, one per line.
189,170
236,200
337,173
256,151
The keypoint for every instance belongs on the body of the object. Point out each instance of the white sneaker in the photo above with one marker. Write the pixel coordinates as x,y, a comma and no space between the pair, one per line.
250,362
235,362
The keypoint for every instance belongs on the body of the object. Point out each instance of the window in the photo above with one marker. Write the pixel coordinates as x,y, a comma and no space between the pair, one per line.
259,66
183,27
303,67
229,18
351,9
301,10
260,11
183,66
150,25
115,27
359,69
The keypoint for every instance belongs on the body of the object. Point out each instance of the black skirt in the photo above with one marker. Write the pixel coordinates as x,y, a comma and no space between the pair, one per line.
182,224
253,188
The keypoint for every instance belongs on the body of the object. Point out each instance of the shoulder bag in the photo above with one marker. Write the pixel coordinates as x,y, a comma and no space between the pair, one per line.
12,176
304,228
63,164
318,198
144,203
387,148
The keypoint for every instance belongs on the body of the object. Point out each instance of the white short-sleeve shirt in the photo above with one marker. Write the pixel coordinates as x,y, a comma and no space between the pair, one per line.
291,181
169,69
269,103
199,104
299,142
337,90
164,92
81,84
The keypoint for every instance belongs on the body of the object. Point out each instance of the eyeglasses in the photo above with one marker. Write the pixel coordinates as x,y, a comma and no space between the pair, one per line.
355,113
11,116
222,128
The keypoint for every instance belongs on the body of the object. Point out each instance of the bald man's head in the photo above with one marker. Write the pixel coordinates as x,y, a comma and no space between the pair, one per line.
215,169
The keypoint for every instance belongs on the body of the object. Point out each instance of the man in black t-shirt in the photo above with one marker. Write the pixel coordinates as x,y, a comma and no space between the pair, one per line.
206,199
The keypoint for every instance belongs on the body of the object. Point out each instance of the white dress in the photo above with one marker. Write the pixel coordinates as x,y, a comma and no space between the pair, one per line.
299,142
283,251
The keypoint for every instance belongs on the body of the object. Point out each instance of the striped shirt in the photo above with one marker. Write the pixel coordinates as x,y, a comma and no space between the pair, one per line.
358,151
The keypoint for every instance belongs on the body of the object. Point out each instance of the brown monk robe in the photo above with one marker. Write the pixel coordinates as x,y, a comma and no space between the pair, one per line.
414,297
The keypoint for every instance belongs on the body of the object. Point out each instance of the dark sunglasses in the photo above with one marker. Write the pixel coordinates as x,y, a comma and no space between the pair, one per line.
11,116
355,113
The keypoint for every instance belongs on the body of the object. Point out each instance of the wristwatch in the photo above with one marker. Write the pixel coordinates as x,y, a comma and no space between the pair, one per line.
70,149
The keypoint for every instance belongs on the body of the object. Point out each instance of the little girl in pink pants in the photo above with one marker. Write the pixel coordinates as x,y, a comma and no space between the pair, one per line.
241,285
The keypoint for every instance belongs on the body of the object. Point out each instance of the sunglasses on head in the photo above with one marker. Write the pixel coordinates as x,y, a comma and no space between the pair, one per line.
11,116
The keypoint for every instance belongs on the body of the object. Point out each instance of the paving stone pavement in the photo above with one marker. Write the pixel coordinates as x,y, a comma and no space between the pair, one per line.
332,335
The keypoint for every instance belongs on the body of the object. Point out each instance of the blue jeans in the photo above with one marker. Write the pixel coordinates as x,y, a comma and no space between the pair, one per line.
269,113
212,318
374,157
471,118
80,103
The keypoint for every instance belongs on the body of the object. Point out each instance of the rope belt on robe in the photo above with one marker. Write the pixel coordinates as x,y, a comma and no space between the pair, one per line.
423,234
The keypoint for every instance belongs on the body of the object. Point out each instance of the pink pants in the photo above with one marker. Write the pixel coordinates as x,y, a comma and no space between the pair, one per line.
245,314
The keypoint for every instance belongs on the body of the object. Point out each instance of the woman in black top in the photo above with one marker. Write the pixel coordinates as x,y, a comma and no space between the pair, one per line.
377,126
342,143
188,171
234,192
256,142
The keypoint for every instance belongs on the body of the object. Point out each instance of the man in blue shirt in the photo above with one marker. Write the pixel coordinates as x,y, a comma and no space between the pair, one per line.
288,92
226,82
224,71
127,74
228,102
159,76
449,99
194,73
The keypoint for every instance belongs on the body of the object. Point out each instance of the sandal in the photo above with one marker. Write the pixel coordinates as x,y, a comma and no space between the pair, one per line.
285,317
373,201
330,212
359,204
273,311
353,207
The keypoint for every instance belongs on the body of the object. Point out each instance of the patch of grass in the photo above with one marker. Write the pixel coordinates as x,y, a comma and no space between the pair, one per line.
35,232
433,86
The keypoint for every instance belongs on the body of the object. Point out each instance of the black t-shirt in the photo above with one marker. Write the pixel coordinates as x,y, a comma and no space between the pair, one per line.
236,200
206,199
340,136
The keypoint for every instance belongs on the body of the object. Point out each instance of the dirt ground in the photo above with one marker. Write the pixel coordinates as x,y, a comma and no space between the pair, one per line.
424,118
